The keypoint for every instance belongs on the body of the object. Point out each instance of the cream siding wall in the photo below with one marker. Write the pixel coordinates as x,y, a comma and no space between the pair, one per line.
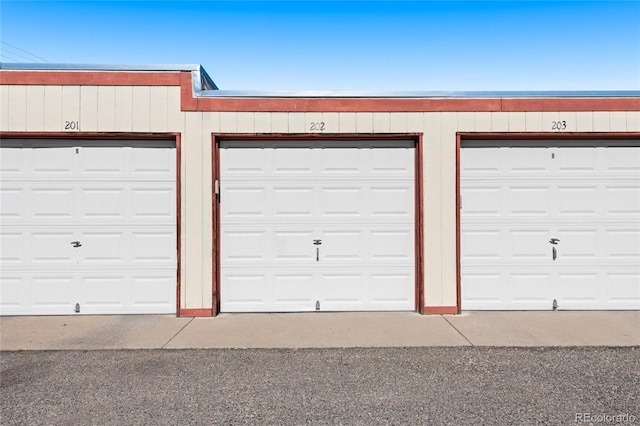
157,109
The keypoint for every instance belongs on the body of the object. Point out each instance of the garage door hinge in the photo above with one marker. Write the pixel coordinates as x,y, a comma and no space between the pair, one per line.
317,305
77,308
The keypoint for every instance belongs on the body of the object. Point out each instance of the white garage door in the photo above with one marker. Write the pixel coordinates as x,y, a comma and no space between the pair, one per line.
317,226
88,224
546,221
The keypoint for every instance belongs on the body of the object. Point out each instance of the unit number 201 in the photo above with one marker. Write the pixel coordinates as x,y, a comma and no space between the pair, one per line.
558,125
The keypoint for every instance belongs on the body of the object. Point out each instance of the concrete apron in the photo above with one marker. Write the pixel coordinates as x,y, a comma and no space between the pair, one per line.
321,330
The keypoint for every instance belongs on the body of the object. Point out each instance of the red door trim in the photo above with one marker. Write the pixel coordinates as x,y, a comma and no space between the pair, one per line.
216,138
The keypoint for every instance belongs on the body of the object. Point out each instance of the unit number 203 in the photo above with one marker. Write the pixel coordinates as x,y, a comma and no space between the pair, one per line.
558,125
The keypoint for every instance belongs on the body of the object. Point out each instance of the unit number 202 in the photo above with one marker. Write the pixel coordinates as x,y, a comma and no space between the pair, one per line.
558,125
316,126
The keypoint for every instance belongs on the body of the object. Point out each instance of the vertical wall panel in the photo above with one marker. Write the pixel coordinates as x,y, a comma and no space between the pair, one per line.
141,108
89,108
347,122
483,121
35,107
297,122
263,122
159,110
123,105
432,209
601,121
53,108
210,124
415,121
107,107
246,122
18,110
618,121
4,107
331,122
279,122
192,218
398,122
364,122
517,121
228,122
533,121
71,104
311,117
381,122
499,121
584,121
466,121
175,120
448,204
633,121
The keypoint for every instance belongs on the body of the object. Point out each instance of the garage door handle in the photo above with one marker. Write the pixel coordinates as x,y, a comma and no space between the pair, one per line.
76,243
554,253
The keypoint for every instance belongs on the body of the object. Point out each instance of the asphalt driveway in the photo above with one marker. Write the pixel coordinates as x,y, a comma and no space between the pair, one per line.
420,385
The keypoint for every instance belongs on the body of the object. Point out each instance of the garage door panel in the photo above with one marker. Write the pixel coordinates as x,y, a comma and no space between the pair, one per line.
578,288
152,162
293,290
391,290
391,245
116,199
293,246
622,200
584,194
392,201
482,200
624,244
293,201
622,160
106,247
530,201
244,201
339,192
12,250
244,245
54,161
624,289
578,200
11,203
527,160
577,159
482,244
158,247
53,247
12,162
577,244
528,288
102,161
395,162
52,202
151,202
483,289
340,201
106,291
12,293
529,244
53,291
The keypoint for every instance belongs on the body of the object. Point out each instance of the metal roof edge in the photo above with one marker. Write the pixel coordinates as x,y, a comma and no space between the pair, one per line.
420,94
98,67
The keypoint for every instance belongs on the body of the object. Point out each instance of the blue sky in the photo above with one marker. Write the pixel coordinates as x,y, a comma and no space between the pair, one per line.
335,45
